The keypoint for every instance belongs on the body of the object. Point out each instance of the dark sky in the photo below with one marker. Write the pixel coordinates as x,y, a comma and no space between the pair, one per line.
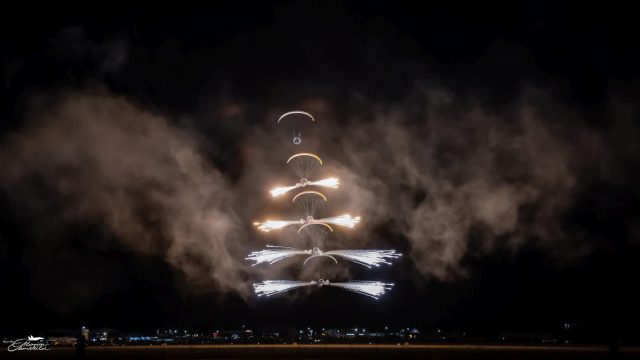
536,217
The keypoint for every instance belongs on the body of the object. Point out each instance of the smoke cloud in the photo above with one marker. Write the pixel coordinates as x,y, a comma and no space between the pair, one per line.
466,182
97,158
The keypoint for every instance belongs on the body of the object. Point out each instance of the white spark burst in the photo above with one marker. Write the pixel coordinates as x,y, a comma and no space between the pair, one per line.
273,287
274,254
367,258
327,183
373,289
343,220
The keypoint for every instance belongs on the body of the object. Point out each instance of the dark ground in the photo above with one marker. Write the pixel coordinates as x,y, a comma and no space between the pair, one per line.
444,352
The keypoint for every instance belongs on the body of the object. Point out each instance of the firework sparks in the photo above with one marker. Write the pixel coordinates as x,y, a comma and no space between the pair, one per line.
373,289
327,183
367,258
282,190
269,225
273,287
274,254
343,220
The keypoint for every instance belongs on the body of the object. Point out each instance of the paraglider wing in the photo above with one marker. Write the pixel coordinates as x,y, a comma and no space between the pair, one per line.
314,156
309,192
296,112
315,223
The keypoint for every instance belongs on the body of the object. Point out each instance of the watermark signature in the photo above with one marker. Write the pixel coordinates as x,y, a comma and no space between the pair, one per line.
30,343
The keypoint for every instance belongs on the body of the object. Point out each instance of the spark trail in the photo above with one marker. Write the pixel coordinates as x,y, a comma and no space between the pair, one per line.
372,289
347,221
367,258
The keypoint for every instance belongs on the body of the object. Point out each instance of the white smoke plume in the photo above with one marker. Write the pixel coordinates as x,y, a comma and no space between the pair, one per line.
101,159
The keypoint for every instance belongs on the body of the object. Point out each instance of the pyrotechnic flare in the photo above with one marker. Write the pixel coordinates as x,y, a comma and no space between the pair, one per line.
269,225
367,258
343,220
327,183
373,289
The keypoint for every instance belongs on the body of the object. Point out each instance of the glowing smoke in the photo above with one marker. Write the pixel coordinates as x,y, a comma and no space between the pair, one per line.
107,162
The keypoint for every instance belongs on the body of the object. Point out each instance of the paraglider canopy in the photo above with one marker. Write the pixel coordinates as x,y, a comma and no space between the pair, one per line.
309,200
304,164
296,120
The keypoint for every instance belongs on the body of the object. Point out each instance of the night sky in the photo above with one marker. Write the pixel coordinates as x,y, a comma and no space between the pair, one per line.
495,146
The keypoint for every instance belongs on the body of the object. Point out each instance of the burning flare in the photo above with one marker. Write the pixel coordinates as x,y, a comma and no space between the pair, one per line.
269,225
343,220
